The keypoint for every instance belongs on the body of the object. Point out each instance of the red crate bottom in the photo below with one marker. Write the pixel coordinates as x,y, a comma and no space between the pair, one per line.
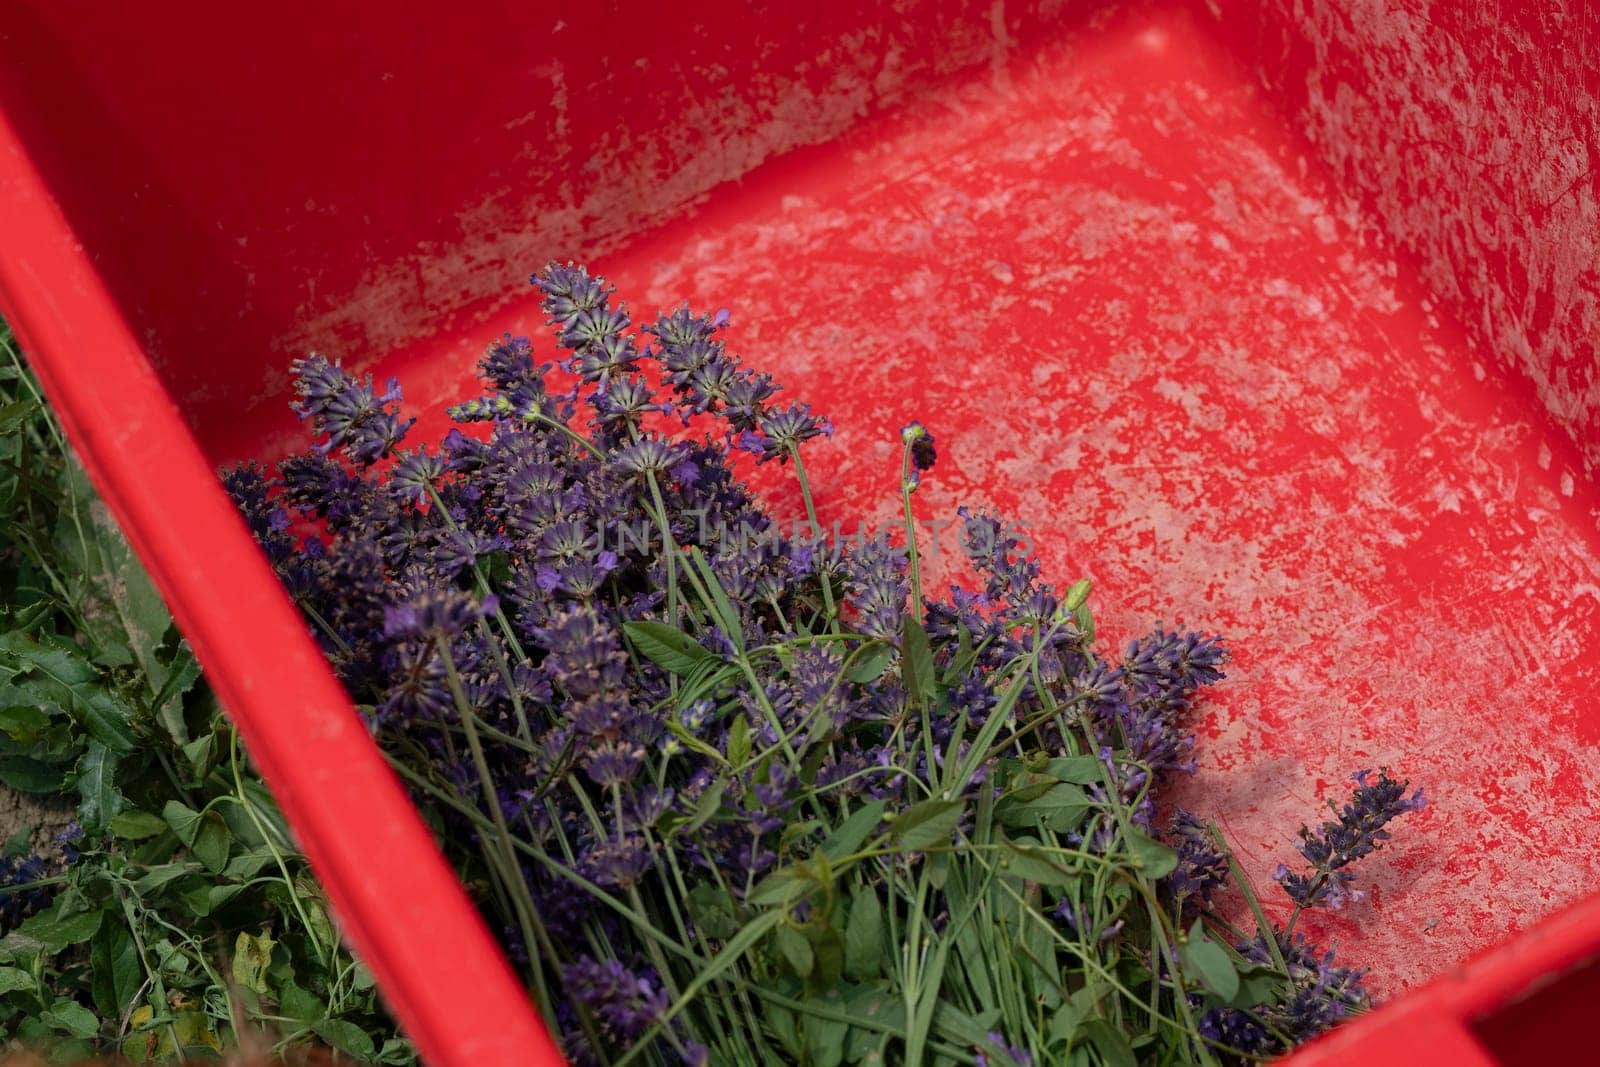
1142,322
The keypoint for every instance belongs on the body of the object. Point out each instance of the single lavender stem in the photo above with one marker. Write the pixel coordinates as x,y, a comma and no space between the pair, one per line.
811,516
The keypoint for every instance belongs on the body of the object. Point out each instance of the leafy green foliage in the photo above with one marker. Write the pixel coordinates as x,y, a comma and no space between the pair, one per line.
187,917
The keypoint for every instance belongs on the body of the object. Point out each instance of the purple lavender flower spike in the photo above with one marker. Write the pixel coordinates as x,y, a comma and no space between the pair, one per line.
878,588
1359,831
365,425
1201,870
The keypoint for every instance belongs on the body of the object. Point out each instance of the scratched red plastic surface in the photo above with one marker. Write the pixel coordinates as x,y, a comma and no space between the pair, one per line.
1092,253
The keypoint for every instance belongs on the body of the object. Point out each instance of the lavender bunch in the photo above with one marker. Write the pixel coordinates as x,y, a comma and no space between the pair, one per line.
740,795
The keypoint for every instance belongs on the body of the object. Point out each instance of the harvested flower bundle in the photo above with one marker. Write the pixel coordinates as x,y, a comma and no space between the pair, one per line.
739,796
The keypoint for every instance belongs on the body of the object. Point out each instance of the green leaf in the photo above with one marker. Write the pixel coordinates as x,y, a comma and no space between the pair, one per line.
315,906
1079,770
252,955
117,972
964,1029
202,754
712,912
157,877
787,1031
101,800
13,415
1257,986
70,1017
926,824
1076,594
183,670
731,953
124,618
397,1050
706,807
825,1038
57,672
779,887
23,723
850,834
207,836
1084,620
28,775
1110,1043
863,935
247,865
720,606
1064,1023
827,949
19,844
667,646
795,949
297,1003
1150,857
875,1006
917,662
870,663
1061,807
137,825
739,741
1209,961
345,1036
13,979
49,932
938,869
203,900
1021,859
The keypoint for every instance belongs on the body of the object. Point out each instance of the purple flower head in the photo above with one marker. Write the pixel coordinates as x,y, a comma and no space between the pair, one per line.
583,654
923,454
621,407
744,403
614,763
463,454
1171,666
682,328
617,862
436,613
876,575
322,488
1359,830
789,428
1236,1030
1018,1057
365,425
626,1002
459,550
651,454
22,898
1201,870
603,360
995,553
415,474
569,291
974,698
250,489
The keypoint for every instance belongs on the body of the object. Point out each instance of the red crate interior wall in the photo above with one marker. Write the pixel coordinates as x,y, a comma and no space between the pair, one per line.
257,182
1472,133
1086,247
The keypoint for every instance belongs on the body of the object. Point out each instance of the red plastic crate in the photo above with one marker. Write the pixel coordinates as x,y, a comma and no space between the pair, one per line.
1277,318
